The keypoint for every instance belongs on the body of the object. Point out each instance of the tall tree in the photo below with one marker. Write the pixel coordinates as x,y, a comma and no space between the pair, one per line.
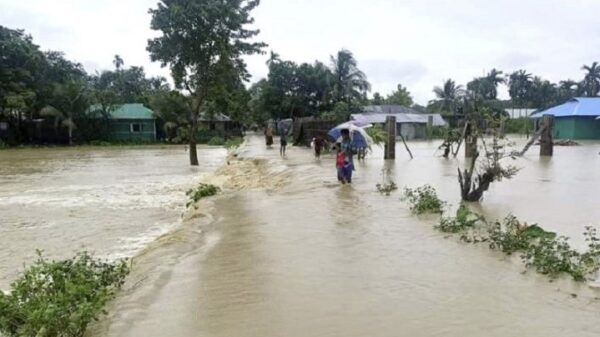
350,84
519,88
591,81
202,42
448,95
377,99
401,96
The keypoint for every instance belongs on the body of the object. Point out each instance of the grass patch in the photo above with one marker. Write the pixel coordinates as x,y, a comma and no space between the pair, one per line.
424,199
60,298
200,192
216,141
234,142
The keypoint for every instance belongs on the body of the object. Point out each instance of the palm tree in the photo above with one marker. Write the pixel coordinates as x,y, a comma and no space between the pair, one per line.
519,87
495,78
567,90
448,95
591,80
349,83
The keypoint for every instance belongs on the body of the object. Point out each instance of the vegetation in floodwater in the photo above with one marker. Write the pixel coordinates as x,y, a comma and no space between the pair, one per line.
387,185
465,219
60,298
378,135
234,142
424,199
216,141
512,236
482,171
202,191
3,145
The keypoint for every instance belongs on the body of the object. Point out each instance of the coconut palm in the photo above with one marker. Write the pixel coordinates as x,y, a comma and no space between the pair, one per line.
349,83
591,80
448,95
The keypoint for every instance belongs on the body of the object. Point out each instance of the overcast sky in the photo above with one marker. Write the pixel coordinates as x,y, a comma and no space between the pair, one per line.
418,43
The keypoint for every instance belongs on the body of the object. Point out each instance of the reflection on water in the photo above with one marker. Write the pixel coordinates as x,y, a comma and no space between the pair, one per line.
312,259
112,201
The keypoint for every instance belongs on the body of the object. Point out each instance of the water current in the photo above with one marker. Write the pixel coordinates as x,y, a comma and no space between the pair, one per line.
286,251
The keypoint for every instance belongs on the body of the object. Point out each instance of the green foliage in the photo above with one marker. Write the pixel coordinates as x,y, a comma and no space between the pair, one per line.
3,145
234,142
465,219
424,199
60,298
202,191
518,125
216,141
401,96
378,134
512,236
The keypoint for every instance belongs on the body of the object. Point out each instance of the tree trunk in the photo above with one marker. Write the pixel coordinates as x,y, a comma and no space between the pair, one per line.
70,135
546,141
193,151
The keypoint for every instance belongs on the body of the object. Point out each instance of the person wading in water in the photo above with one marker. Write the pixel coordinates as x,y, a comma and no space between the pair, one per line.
344,162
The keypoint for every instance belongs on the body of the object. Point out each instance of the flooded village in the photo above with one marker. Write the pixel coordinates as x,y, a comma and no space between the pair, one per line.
218,195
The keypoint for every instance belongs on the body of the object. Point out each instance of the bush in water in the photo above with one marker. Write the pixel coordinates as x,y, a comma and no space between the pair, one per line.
60,298
216,141
234,142
202,191
465,219
513,236
424,199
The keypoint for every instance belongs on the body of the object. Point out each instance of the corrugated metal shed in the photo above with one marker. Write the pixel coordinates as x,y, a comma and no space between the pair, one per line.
401,118
388,109
579,106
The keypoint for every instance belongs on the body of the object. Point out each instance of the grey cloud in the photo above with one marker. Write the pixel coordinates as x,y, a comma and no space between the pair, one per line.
394,71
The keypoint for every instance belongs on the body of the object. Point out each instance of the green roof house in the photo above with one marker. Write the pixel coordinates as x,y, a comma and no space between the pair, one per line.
132,122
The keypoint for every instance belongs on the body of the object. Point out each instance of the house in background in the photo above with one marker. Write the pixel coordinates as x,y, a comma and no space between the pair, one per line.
131,122
579,118
409,123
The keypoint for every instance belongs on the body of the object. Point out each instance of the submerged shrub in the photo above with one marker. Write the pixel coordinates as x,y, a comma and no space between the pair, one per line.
3,145
387,188
202,191
60,298
216,141
234,142
424,199
512,236
465,219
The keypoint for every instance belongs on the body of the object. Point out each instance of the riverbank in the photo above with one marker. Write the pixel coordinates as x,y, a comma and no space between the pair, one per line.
294,254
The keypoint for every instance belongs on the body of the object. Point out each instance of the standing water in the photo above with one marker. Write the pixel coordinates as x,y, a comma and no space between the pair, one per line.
110,201
312,258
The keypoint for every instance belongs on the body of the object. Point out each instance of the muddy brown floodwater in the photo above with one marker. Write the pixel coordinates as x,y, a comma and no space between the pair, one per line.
110,201
312,258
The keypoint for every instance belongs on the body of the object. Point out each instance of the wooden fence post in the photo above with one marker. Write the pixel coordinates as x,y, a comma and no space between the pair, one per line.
390,144
470,141
546,140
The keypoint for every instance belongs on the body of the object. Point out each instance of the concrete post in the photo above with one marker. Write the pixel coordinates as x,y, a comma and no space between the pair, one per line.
546,140
390,144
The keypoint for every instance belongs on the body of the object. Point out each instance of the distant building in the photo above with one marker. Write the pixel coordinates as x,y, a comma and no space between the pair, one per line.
579,118
518,112
132,122
409,123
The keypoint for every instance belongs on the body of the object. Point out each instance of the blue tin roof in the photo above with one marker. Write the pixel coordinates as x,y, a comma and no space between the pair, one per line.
576,107
128,111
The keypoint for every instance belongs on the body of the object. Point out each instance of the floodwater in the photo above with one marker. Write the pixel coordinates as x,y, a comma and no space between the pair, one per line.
110,201
312,258
287,251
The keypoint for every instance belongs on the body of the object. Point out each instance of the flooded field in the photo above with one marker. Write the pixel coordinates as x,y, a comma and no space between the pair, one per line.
111,201
312,258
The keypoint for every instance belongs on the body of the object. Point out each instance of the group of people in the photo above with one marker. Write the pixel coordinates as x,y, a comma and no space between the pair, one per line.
283,139
344,151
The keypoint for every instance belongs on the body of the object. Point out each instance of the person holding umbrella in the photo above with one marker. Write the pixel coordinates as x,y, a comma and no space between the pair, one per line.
344,162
